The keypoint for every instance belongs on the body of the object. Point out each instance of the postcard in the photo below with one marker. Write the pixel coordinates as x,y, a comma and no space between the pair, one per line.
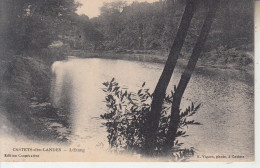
127,81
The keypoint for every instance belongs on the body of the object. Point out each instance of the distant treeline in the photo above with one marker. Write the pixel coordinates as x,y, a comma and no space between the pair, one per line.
152,26
35,24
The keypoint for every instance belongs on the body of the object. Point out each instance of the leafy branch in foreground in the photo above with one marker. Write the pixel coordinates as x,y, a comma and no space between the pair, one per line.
126,116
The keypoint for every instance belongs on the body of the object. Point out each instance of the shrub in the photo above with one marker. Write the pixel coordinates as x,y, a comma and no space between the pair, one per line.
126,119
29,76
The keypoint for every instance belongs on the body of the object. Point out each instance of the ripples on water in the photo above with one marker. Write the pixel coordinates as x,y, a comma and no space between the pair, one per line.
226,96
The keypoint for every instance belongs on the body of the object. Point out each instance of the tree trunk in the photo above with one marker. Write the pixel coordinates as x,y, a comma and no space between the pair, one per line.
175,112
160,90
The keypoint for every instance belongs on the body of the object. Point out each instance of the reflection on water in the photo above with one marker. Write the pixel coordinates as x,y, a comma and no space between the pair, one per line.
226,97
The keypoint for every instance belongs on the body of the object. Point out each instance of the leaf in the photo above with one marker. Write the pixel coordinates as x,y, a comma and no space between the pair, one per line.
192,122
180,133
139,91
113,79
197,107
143,84
116,89
105,84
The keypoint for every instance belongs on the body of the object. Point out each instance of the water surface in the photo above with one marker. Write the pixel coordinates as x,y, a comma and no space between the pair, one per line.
226,96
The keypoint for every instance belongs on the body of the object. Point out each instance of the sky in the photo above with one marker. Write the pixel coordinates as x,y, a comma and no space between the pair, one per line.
91,7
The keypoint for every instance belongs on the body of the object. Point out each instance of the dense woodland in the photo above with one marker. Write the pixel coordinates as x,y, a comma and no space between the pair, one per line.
34,24
152,26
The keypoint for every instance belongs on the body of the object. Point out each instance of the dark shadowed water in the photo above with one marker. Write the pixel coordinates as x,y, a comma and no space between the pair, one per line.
227,96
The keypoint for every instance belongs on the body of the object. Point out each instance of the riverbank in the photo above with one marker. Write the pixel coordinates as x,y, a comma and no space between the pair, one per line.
25,100
237,60
229,59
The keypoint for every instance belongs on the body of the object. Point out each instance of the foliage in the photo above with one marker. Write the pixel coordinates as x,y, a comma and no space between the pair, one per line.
143,25
34,24
29,76
126,116
232,57
84,34
26,80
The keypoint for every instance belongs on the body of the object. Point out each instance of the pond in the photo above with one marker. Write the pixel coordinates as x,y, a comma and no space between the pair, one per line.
227,98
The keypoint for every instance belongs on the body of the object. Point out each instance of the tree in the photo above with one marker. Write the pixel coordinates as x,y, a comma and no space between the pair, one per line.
111,19
160,90
84,35
177,97
34,24
172,16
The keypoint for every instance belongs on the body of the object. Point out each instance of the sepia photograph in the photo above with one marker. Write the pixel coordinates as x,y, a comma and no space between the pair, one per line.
127,80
